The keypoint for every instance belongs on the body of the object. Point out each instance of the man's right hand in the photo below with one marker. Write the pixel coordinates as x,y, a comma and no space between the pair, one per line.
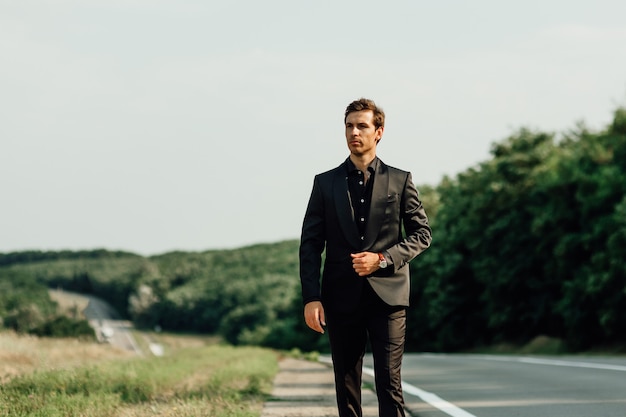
314,316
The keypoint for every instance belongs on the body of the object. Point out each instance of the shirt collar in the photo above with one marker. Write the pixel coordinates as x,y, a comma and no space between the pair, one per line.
371,167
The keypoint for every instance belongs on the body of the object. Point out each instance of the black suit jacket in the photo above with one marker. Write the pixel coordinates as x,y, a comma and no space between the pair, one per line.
329,224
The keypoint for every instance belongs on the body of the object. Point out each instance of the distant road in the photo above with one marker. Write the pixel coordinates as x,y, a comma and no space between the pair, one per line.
439,385
108,325
104,319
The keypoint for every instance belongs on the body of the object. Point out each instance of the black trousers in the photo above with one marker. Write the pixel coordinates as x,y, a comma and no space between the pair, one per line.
385,326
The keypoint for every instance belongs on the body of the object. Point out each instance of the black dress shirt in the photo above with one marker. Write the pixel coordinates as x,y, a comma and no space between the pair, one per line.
360,187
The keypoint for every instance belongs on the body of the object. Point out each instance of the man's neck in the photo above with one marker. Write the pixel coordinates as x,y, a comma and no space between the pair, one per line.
362,161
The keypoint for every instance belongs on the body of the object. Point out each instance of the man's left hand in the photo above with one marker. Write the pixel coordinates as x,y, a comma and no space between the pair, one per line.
365,263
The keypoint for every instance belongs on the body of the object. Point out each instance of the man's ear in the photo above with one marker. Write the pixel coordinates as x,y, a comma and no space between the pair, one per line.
380,131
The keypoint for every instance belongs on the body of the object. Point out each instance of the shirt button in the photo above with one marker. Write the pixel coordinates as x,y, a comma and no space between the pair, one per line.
360,182
362,237
362,200
362,219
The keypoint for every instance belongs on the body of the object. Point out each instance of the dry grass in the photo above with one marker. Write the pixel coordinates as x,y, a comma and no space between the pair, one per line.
21,354
178,341
196,378
69,302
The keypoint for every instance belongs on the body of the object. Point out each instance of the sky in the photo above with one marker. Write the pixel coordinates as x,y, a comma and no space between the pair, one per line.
151,126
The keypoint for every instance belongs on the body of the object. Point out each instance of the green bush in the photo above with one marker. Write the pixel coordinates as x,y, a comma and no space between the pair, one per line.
62,326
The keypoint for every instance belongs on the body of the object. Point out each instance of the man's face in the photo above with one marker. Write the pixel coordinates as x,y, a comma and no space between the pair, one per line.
361,133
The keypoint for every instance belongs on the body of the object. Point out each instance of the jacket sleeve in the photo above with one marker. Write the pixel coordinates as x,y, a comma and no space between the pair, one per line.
312,242
417,232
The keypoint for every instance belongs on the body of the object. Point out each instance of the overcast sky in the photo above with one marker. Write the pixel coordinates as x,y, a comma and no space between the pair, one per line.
151,126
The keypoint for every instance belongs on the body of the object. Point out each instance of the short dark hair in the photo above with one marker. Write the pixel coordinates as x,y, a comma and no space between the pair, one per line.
366,104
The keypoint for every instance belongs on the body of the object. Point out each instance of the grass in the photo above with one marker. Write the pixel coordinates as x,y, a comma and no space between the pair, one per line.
69,303
22,354
191,380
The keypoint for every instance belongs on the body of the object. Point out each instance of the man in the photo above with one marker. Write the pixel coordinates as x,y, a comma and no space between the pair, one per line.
357,213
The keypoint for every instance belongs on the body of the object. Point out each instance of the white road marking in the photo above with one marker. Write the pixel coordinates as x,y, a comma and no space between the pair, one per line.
557,362
538,361
430,398
454,411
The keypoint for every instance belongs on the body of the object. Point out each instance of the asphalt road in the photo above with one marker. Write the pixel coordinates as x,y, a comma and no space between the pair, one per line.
439,385
108,325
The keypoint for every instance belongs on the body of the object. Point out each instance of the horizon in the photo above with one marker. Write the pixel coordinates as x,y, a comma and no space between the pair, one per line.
157,127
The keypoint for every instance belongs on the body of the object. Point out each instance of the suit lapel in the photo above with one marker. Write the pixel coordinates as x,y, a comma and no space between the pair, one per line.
378,205
345,212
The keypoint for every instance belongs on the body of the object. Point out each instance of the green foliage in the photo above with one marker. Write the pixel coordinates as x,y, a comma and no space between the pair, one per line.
110,275
26,307
24,303
528,243
248,295
13,258
62,326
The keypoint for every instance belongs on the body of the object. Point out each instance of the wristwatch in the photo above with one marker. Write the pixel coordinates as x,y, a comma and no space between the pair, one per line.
383,261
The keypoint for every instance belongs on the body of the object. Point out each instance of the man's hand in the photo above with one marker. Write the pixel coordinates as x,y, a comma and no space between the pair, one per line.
314,316
365,263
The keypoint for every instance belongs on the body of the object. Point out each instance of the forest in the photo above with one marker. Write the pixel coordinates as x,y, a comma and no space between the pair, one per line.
528,243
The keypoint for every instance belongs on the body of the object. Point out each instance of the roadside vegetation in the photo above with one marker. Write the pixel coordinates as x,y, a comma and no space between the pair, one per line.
528,247
197,377
26,307
26,354
529,243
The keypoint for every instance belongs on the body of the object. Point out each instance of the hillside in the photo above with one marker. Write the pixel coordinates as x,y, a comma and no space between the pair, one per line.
248,295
